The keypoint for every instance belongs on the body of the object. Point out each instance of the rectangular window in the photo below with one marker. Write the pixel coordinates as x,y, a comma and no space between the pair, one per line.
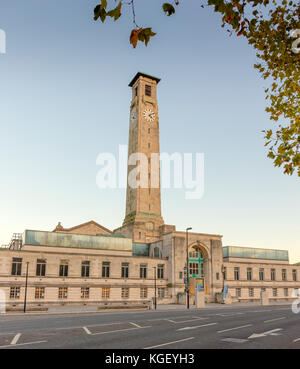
143,293
105,269
63,292
16,268
105,292
274,292
136,91
261,274
238,292
85,292
273,275
180,275
283,274
194,268
147,90
143,271
194,254
41,268
251,292
161,292
15,292
294,275
125,270
125,293
236,273
160,271
217,276
39,292
225,273
85,269
64,268
286,292
249,274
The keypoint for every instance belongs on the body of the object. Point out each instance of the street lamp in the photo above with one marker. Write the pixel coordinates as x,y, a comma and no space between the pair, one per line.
187,269
154,287
26,282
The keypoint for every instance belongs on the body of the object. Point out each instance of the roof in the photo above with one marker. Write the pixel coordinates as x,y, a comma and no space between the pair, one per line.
255,253
140,74
61,228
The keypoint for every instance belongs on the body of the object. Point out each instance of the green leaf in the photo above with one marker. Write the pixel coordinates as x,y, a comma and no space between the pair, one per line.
168,9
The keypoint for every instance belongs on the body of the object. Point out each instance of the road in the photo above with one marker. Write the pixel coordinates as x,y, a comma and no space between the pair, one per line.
234,327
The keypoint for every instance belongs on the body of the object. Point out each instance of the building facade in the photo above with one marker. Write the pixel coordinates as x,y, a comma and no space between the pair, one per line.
144,258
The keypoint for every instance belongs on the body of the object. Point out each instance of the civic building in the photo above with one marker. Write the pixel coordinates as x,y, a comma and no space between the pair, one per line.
144,258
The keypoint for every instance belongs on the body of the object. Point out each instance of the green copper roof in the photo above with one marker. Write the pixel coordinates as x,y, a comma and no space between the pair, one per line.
140,74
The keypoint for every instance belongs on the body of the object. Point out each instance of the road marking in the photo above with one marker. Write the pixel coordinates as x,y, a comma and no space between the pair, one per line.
136,325
186,321
234,340
87,331
117,330
231,329
296,340
16,339
264,334
169,343
197,326
273,320
22,344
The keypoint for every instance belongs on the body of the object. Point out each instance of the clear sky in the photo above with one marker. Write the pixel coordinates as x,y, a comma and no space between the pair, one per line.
64,98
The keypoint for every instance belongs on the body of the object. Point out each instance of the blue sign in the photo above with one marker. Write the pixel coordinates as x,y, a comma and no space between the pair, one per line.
199,287
225,291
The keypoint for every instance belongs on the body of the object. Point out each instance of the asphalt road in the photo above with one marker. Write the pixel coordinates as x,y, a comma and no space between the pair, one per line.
234,327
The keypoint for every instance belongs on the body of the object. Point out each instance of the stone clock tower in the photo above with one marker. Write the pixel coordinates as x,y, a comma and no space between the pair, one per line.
143,221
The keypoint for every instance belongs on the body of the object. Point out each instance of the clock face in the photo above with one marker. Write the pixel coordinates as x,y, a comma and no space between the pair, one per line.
149,115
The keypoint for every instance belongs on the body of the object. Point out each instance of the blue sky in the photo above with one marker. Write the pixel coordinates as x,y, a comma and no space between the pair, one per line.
64,98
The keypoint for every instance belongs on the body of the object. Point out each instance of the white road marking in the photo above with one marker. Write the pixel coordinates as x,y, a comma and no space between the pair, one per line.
232,329
296,340
16,339
169,343
87,331
136,325
264,334
274,320
119,330
22,344
234,340
197,326
186,321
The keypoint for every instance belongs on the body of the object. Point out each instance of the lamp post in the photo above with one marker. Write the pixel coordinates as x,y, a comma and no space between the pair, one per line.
187,269
26,282
154,287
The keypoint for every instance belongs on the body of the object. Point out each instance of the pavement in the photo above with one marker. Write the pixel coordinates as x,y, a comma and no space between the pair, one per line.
222,326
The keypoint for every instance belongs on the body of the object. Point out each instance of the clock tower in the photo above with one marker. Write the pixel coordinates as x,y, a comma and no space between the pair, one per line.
143,221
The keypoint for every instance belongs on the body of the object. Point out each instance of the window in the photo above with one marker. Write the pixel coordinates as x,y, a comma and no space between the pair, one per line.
225,273
161,292
249,274
294,275
149,130
143,271
273,275
16,268
125,293
236,273
283,274
105,292
217,276
85,292
251,292
261,274
85,269
286,292
136,91
105,269
64,268
15,292
180,275
160,271
238,292
143,292
147,90
41,268
125,270
156,252
39,292
194,254
148,145
63,292
275,292
194,268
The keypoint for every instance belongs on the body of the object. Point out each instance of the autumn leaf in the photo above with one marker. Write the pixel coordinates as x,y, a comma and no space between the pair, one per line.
134,36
